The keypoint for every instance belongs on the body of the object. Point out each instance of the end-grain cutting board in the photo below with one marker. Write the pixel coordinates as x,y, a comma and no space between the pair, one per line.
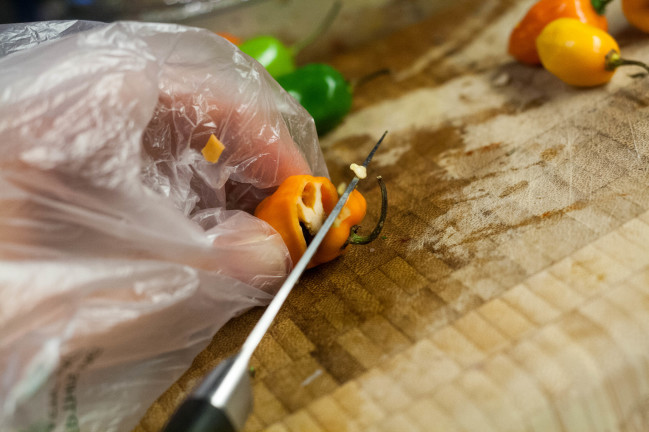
511,290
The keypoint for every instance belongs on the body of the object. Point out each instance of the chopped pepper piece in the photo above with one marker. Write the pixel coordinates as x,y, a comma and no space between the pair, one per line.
213,149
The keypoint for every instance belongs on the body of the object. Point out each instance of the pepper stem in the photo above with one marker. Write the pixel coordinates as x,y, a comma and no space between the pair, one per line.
613,61
600,5
322,27
356,239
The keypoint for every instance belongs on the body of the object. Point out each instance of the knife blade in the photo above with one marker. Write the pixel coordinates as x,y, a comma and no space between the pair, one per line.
223,400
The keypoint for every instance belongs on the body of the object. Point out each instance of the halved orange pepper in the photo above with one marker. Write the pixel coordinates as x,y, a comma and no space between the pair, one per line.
299,207
522,41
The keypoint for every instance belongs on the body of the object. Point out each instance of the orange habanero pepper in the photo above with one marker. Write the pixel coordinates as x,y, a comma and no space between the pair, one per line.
637,13
522,41
299,207
230,38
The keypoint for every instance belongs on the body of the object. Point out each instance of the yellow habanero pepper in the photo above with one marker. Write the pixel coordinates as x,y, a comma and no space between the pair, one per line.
299,207
579,54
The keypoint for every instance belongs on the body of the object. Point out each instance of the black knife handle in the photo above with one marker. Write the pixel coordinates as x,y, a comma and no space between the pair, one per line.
198,415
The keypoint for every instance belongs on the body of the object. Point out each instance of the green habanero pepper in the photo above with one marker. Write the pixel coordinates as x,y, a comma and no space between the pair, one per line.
277,58
322,91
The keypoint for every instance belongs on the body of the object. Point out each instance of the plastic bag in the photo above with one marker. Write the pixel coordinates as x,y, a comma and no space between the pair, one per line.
122,250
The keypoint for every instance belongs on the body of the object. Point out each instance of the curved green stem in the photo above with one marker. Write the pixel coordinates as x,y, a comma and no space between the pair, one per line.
613,61
600,5
356,239
324,25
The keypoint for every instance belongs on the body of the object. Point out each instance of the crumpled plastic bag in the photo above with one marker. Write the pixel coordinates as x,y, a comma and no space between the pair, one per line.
122,250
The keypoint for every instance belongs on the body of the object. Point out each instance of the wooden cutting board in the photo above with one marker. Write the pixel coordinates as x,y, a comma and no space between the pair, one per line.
511,290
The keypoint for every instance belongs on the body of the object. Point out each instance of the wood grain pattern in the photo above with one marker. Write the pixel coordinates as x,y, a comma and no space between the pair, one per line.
511,291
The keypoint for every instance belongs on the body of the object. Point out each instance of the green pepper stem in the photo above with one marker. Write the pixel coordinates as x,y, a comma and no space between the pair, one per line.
356,239
613,61
324,25
600,5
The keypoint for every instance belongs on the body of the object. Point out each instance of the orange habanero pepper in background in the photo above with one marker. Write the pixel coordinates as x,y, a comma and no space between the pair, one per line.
522,41
637,13
230,38
299,207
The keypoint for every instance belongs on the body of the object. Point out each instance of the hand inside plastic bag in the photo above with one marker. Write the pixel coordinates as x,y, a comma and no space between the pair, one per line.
117,237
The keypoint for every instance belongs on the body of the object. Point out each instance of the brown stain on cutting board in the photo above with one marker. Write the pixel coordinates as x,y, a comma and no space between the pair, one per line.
551,153
514,188
416,210
450,29
487,148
